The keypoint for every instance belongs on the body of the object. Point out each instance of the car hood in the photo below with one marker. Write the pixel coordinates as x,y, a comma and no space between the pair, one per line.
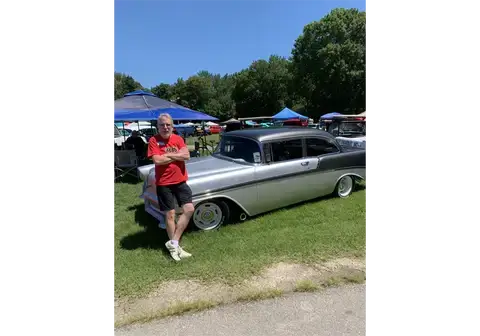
210,165
198,167
204,174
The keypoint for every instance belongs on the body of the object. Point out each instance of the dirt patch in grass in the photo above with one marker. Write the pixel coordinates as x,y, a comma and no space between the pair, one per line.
171,296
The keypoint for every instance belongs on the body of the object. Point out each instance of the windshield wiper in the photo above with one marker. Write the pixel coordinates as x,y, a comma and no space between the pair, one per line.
228,157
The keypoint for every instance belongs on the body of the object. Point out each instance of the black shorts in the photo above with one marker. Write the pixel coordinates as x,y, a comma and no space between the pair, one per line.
168,194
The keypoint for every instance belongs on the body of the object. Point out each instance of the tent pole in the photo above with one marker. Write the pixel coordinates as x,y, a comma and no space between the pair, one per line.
123,127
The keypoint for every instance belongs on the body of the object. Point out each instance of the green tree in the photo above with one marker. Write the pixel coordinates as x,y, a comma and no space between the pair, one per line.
221,104
329,62
205,92
125,84
177,90
263,88
163,91
197,91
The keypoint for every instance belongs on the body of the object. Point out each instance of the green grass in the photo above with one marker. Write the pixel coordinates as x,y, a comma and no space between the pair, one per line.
260,295
356,278
306,286
306,233
176,309
209,138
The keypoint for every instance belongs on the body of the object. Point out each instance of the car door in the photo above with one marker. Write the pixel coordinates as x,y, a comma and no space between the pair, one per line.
321,181
284,179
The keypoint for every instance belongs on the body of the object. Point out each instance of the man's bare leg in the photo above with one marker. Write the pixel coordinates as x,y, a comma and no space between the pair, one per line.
170,219
181,226
171,245
183,220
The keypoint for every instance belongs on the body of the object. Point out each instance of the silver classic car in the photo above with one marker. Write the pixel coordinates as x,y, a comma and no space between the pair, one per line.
253,171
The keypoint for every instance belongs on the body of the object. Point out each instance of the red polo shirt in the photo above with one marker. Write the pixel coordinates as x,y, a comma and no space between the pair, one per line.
173,172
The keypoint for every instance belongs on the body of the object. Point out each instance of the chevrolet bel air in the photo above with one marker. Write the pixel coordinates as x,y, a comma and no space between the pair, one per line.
253,171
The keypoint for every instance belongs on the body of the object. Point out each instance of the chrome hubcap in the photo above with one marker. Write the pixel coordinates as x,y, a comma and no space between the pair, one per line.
345,186
207,216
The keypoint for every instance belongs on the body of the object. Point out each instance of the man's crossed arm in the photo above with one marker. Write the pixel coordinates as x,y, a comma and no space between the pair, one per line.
182,155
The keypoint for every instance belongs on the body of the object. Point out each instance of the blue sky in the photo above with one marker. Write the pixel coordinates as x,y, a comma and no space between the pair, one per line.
158,41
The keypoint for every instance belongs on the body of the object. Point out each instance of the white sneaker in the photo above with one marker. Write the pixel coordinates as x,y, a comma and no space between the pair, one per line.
174,251
182,253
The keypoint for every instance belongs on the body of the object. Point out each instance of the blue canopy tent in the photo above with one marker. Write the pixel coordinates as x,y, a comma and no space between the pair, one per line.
186,114
143,115
142,105
286,113
329,115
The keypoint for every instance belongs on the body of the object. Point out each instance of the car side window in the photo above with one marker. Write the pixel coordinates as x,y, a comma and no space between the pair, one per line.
239,148
317,146
287,150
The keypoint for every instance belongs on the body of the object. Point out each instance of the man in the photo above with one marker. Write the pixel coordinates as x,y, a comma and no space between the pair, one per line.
169,153
137,143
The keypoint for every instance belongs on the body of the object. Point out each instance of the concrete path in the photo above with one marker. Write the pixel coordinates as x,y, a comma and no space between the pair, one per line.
334,311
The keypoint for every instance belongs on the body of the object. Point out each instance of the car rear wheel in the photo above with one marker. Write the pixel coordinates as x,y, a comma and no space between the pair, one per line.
344,187
211,214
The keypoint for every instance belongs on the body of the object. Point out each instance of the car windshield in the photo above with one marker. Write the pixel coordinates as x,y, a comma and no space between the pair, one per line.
347,128
125,132
149,131
240,149
116,132
352,127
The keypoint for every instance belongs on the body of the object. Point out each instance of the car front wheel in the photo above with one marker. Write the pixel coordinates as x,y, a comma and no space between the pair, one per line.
211,214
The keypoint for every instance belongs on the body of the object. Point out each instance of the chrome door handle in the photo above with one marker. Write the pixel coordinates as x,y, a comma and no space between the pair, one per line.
304,163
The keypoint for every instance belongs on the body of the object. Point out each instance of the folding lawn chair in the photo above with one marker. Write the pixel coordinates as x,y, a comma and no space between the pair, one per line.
124,162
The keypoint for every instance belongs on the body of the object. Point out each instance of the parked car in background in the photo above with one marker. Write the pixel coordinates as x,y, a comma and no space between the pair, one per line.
128,133
125,132
201,130
256,170
350,130
118,139
215,129
292,122
148,132
184,130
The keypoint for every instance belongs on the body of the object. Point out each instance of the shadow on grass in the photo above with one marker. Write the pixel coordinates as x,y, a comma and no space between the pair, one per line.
128,179
151,237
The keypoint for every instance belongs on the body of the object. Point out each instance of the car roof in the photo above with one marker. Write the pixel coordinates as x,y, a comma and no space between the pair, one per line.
347,117
278,133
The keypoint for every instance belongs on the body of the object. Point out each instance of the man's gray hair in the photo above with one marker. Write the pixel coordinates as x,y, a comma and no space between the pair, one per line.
165,115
